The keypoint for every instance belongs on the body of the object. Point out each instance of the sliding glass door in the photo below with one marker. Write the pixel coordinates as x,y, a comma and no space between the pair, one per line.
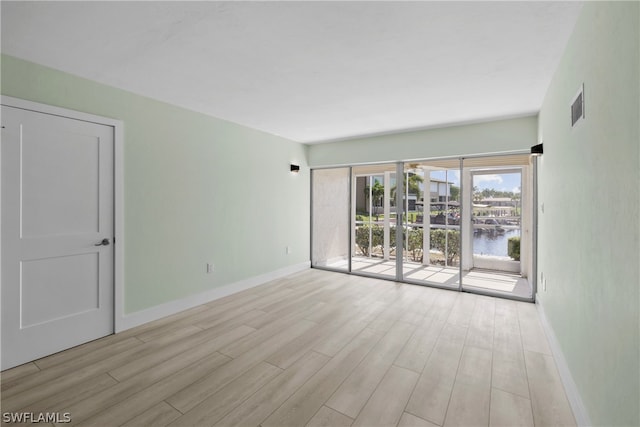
432,223
462,224
375,218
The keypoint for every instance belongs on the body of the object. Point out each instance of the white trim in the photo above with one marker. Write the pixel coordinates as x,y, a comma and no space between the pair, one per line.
118,189
58,111
570,387
176,306
119,260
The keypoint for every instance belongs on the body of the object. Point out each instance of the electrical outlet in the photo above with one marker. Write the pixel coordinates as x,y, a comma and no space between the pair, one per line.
288,250
543,282
210,268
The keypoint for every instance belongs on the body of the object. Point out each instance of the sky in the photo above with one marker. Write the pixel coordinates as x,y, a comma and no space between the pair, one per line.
500,182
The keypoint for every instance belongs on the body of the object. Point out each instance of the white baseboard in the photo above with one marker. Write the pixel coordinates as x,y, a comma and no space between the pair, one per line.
579,410
163,310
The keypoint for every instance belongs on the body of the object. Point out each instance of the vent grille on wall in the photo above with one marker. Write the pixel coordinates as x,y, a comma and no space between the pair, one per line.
577,107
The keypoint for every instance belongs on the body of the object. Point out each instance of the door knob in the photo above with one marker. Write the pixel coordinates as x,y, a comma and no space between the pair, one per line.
105,242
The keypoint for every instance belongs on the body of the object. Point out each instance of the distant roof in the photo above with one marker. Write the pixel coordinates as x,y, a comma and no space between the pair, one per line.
497,199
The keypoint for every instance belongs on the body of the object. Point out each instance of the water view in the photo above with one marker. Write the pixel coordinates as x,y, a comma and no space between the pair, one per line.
493,243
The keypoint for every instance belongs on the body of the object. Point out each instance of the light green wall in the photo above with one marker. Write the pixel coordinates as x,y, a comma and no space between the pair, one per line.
589,182
480,138
197,189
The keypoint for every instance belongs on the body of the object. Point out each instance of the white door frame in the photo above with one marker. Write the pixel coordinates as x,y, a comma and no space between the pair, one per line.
118,188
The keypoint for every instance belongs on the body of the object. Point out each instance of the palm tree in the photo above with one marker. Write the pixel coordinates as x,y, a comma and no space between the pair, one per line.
515,197
377,193
477,196
413,183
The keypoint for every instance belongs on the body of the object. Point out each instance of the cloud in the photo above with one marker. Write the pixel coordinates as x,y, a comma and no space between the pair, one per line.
478,179
515,190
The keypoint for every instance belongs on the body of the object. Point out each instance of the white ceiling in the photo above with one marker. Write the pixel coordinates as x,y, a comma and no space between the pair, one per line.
308,71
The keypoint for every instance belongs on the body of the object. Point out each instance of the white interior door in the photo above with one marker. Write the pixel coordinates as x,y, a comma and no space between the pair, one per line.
57,206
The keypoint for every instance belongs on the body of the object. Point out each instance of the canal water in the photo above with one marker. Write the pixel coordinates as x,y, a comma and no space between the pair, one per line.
493,243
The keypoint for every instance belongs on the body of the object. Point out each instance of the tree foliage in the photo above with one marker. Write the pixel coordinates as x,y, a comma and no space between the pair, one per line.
415,243
445,241
377,193
454,193
493,193
513,247
412,182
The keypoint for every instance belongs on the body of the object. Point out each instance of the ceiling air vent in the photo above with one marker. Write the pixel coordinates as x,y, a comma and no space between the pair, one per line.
577,107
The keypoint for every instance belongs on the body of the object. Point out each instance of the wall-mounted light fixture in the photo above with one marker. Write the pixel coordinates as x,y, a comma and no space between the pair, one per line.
295,168
536,150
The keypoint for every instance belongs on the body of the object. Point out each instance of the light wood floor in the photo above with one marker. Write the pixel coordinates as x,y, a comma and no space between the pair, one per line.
316,349
497,283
